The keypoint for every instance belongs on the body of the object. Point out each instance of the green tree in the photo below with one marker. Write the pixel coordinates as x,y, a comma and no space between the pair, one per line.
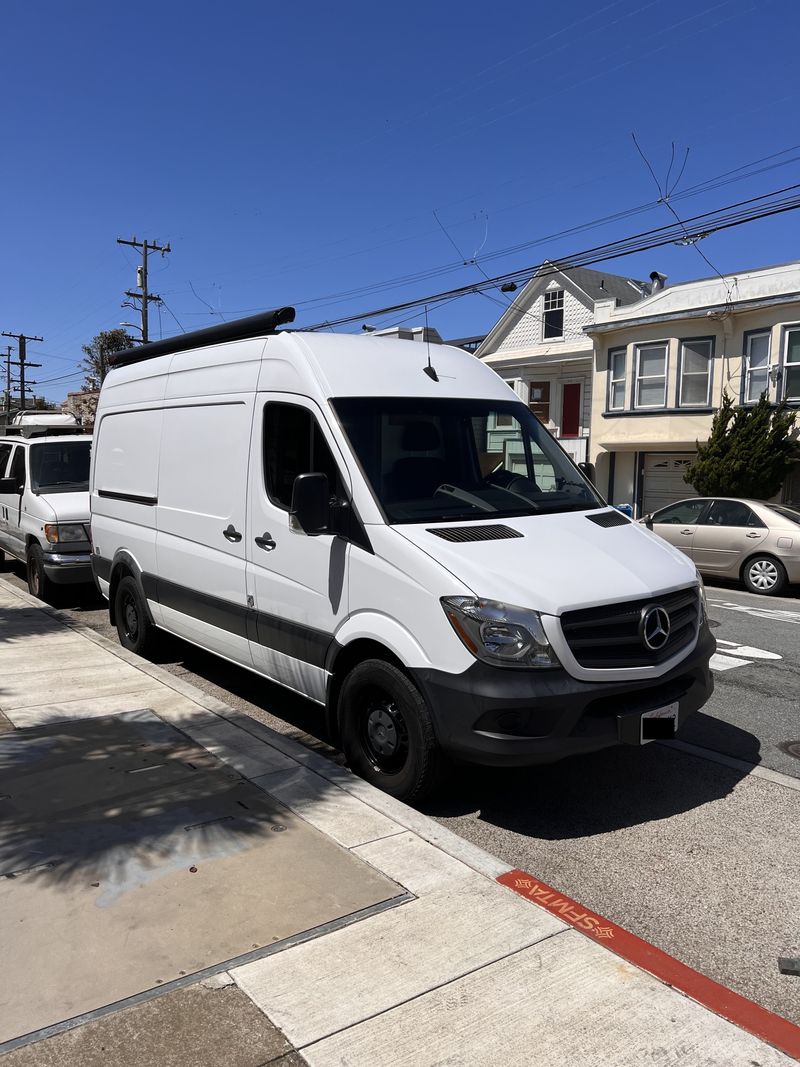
748,453
106,343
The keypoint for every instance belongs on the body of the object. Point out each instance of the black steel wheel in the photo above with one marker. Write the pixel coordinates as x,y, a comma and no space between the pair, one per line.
387,733
136,632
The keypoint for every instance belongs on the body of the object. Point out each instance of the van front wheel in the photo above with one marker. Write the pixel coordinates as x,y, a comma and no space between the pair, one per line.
39,585
387,733
136,632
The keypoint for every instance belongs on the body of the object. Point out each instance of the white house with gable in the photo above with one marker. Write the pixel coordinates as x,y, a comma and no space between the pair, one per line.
539,345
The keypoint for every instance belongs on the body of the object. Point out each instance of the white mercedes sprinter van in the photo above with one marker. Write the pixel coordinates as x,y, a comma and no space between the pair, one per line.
390,532
44,500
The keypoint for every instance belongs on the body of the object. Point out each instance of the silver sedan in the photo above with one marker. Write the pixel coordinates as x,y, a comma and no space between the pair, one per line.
747,540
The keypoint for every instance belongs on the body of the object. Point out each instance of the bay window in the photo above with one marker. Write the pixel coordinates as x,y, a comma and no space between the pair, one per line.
651,376
756,359
694,386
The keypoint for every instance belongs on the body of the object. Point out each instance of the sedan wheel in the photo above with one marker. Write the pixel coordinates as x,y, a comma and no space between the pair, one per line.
764,575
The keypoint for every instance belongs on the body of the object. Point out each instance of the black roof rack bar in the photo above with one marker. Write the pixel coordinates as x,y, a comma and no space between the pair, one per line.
239,329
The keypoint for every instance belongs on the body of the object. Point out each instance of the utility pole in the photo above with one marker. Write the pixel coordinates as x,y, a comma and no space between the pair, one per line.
141,277
22,340
8,378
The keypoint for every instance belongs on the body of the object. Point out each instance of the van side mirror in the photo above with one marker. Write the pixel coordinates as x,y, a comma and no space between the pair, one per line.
9,485
648,521
311,503
589,471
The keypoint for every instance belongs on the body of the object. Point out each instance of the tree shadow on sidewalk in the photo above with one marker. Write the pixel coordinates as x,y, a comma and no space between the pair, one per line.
118,801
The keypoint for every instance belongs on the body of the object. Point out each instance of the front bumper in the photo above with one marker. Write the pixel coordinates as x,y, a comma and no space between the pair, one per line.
68,568
500,717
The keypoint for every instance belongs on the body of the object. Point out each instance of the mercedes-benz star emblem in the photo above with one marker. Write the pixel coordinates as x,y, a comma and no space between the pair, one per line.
654,627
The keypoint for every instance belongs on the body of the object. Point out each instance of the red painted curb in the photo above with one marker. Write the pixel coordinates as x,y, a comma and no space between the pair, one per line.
746,1014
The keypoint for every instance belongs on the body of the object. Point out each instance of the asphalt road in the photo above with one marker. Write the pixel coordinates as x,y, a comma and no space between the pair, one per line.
701,858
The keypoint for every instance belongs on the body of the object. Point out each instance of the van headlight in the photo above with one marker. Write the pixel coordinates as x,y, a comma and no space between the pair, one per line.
703,601
501,634
58,533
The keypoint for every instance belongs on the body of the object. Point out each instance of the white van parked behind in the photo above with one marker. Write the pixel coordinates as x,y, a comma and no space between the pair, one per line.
390,532
44,500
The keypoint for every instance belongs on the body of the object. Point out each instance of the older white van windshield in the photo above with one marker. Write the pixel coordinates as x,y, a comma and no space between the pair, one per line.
60,466
440,460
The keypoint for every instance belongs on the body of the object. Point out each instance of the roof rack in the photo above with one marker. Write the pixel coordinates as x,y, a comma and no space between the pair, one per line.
238,330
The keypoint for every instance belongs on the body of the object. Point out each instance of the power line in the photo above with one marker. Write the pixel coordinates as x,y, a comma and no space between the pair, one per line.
712,222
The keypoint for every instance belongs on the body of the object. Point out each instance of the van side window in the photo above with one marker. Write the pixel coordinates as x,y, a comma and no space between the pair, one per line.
18,466
294,444
5,452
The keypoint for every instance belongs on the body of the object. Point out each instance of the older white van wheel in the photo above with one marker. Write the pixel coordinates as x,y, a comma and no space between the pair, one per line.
136,632
39,584
387,734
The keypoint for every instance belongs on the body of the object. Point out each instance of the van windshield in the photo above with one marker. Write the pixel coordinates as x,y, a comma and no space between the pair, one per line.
451,460
60,467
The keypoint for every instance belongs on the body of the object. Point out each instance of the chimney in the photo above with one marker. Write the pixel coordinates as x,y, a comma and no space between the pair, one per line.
658,281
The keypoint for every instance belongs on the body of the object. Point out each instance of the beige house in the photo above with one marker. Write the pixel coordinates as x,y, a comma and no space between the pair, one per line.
540,347
662,364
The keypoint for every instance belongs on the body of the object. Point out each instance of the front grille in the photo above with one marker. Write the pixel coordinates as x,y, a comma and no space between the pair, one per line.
608,636
475,533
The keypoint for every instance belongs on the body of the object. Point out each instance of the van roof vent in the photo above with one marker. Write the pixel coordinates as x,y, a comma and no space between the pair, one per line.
237,330
475,533
609,518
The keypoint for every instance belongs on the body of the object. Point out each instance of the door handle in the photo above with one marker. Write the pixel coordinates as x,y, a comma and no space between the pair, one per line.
231,533
266,542
687,531
753,534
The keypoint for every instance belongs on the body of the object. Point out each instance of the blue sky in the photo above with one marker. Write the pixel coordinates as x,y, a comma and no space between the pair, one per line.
292,153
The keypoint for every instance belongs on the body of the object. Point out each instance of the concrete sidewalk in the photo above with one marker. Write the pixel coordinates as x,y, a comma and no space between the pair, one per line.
377,937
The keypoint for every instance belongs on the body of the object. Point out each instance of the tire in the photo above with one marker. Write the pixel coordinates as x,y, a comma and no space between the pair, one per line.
136,632
39,585
765,575
387,733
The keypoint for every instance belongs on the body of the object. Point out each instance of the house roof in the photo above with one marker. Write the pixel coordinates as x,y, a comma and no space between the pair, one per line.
587,285
601,285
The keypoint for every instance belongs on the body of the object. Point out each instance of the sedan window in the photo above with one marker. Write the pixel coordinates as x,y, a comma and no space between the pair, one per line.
682,513
731,513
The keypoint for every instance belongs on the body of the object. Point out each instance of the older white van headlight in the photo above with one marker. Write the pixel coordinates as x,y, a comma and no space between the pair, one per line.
501,634
58,533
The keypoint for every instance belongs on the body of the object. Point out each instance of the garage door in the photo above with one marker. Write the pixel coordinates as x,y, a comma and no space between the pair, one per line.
663,479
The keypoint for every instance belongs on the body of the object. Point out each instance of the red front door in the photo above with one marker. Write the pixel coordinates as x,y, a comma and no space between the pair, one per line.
571,410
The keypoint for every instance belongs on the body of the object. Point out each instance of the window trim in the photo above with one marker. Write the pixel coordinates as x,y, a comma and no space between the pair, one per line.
783,363
316,417
562,309
709,339
746,338
664,343
549,382
612,381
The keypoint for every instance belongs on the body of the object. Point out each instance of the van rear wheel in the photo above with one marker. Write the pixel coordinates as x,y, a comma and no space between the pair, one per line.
136,631
387,733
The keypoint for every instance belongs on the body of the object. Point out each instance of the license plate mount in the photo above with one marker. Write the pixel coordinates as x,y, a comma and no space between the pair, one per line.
659,724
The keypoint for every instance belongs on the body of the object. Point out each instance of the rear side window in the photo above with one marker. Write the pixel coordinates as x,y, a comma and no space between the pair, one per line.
294,444
731,513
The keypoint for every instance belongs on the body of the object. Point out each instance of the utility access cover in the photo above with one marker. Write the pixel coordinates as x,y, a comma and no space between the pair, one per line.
130,858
